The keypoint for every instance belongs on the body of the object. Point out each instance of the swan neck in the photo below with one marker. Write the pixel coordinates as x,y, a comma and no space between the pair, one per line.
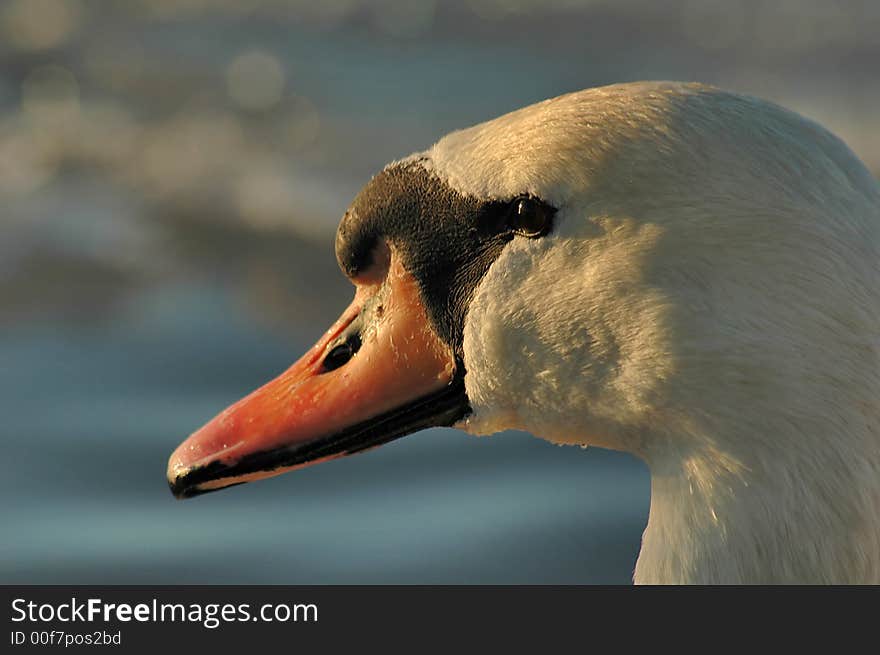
722,518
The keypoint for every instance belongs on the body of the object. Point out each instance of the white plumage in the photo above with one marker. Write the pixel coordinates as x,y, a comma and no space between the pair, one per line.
709,300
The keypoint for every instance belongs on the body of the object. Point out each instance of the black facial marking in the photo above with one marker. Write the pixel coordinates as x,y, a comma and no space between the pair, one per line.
447,240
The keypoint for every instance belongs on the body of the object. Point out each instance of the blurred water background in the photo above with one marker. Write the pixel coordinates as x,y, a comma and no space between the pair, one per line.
171,176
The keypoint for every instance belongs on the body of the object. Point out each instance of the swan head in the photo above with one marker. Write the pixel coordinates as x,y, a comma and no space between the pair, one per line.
710,289
660,268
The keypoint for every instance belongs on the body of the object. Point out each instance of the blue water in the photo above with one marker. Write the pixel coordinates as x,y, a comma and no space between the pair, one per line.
90,415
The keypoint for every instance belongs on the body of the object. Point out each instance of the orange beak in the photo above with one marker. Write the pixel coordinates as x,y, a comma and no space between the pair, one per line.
379,373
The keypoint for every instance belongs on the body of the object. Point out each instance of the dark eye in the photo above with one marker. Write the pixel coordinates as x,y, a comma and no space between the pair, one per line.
341,354
530,217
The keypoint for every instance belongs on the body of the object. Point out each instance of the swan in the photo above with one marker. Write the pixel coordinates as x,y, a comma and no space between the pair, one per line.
672,270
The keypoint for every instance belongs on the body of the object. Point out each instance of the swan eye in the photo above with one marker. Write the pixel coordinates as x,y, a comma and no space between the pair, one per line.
530,217
341,354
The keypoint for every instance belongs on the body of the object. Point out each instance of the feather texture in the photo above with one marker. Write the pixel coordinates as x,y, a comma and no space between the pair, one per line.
709,299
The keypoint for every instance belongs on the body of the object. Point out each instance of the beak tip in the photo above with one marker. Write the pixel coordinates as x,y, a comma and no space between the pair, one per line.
179,480
190,481
179,486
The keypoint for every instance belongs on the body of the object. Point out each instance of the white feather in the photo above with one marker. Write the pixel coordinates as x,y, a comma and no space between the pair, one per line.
709,299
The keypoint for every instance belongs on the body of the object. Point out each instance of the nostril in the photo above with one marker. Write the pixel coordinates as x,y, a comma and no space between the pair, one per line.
337,357
341,354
